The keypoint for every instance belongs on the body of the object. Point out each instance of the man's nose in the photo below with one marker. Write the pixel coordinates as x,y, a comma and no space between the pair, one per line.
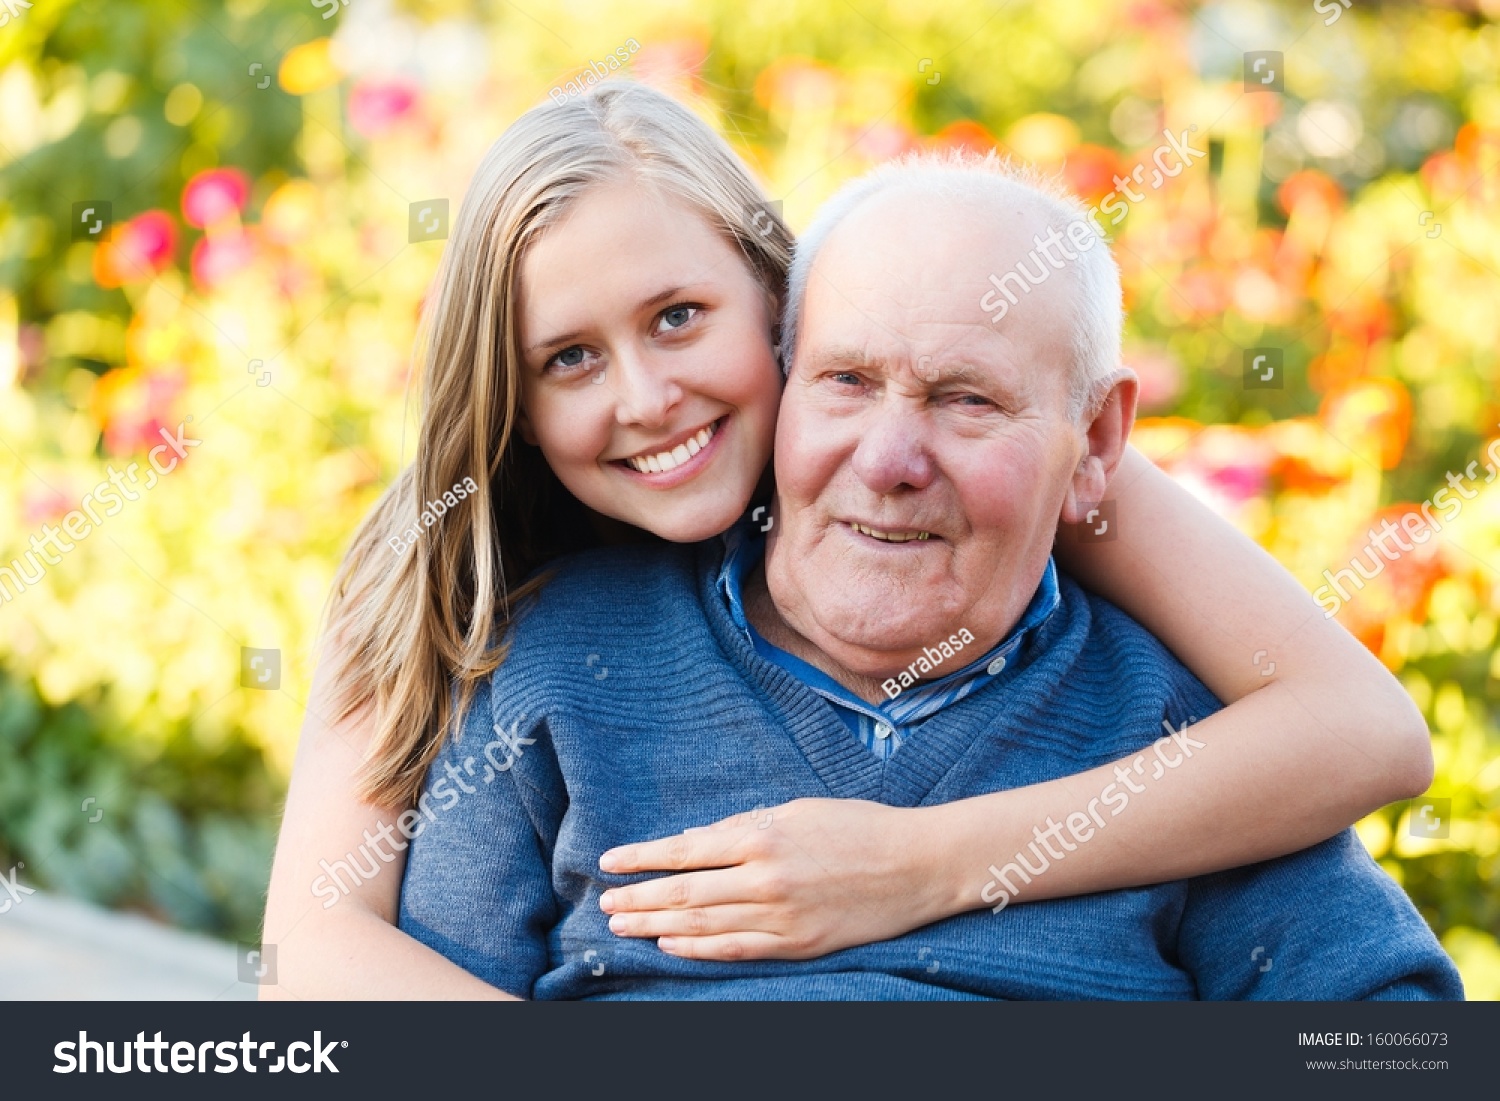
893,451
645,391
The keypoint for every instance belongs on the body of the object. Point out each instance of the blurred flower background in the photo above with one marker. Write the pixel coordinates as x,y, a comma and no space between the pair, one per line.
204,213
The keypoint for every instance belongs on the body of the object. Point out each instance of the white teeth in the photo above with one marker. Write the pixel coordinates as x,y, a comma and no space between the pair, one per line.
671,460
892,536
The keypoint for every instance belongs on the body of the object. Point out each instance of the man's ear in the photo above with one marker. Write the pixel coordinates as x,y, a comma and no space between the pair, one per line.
1105,436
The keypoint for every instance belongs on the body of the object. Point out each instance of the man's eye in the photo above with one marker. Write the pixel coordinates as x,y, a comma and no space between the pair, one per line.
676,317
848,378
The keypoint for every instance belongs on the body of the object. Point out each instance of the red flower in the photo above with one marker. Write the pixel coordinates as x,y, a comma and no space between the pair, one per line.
1309,186
964,134
214,195
1090,171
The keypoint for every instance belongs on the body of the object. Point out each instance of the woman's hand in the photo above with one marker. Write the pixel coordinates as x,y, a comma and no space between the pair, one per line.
793,882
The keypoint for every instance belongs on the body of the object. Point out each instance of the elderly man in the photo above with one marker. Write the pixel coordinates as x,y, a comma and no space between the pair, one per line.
923,460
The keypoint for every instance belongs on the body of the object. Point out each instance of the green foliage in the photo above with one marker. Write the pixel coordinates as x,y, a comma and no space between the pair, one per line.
186,835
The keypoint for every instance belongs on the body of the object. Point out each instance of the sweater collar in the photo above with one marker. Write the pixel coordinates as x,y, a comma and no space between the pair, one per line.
846,768
744,546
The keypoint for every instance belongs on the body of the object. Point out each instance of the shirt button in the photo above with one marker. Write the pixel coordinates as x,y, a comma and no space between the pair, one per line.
882,731
996,667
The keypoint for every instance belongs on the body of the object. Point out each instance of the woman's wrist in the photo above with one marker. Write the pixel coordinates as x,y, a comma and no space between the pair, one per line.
947,858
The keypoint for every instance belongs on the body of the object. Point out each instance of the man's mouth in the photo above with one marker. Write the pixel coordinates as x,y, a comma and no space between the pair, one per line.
670,458
886,535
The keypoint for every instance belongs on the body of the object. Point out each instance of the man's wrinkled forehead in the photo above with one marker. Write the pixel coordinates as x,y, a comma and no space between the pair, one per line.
901,278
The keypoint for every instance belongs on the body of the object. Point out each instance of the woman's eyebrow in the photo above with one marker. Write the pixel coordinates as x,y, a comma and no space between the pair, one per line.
563,339
658,299
548,343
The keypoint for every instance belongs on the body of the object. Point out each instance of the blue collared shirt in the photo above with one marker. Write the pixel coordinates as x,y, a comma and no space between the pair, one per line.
884,727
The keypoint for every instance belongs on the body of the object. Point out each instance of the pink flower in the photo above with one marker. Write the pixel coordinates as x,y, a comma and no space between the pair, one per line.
42,504
152,236
375,106
881,141
214,195
215,259
134,406
1238,483
140,248
1159,373
1233,461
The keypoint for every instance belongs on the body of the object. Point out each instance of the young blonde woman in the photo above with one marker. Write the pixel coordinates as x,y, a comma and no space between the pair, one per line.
553,390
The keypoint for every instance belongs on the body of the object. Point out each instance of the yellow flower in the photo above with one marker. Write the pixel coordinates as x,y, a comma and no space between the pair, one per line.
308,68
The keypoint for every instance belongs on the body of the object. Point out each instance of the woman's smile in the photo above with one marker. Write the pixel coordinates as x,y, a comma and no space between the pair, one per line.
683,457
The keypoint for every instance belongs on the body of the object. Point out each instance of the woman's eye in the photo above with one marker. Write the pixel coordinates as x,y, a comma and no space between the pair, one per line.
567,358
677,316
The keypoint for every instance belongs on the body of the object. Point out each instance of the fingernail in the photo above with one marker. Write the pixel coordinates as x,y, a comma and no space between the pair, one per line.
609,862
617,923
607,902
667,944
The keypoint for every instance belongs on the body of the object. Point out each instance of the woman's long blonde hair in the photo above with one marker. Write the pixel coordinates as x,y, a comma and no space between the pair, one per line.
416,630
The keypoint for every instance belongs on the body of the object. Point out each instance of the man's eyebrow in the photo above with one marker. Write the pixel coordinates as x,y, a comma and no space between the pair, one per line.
957,372
948,371
841,356
560,340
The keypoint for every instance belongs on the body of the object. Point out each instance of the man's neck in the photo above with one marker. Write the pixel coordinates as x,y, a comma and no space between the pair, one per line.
763,615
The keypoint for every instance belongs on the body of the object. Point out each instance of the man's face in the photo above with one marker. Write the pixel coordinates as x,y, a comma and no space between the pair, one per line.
922,454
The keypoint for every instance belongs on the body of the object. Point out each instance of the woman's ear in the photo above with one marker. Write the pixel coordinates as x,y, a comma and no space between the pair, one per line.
1105,436
523,424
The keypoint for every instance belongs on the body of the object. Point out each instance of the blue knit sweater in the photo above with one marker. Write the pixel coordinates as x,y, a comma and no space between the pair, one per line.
631,707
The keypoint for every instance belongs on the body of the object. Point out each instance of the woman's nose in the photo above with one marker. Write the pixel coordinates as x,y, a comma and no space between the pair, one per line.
645,391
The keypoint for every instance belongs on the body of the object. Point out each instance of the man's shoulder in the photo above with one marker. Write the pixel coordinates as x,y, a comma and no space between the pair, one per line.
1337,927
1105,630
1104,651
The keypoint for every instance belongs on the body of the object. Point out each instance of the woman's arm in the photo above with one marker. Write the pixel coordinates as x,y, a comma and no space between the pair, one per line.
1316,735
334,944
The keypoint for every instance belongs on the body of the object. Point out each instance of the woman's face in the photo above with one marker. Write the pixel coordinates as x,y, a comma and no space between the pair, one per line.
648,379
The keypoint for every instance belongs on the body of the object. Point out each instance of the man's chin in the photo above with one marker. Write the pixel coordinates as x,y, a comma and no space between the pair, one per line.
875,650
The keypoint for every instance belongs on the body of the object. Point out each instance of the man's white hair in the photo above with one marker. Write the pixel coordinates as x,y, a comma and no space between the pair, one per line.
1099,315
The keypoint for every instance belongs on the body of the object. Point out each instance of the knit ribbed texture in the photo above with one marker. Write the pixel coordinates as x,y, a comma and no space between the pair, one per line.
650,712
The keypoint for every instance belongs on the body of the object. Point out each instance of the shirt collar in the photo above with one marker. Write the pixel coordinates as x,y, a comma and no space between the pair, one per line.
745,545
